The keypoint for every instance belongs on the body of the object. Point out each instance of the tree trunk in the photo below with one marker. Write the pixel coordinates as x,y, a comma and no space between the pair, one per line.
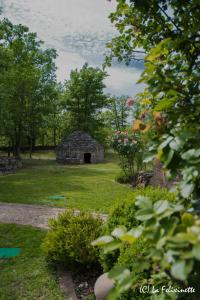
54,136
9,149
17,142
30,148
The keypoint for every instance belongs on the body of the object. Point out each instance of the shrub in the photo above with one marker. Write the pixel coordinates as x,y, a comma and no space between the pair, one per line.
69,240
123,213
123,178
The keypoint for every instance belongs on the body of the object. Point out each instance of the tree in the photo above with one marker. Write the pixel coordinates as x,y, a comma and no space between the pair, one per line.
170,37
85,98
27,83
168,31
55,121
118,112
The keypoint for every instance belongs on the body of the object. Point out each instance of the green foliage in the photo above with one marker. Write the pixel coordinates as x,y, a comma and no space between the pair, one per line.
129,258
171,234
124,214
123,178
27,84
171,75
172,78
84,98
118,111
69,240
173,246
130,150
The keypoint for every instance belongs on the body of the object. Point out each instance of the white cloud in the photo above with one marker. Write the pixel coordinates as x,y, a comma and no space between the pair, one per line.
78,30
67,61
123,79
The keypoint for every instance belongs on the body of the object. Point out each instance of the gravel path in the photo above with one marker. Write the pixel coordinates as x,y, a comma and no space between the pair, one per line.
26,214
34,215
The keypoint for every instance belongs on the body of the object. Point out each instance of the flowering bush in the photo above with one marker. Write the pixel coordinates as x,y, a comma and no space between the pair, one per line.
129,148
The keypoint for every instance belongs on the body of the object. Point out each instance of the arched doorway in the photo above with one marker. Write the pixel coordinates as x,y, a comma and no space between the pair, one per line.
87,158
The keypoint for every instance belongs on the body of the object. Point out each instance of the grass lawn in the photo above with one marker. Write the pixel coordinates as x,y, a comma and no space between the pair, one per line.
85,187
28,275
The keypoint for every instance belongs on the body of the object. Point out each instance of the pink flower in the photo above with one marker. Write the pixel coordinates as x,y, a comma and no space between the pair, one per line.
125,141
119,141
130,102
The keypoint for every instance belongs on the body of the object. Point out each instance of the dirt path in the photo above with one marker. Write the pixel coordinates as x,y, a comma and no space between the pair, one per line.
34,215
26,214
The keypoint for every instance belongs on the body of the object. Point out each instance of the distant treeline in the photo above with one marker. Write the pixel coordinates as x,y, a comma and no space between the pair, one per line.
35,109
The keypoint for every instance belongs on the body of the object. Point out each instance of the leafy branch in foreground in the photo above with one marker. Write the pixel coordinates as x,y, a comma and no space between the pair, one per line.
172,64
173,237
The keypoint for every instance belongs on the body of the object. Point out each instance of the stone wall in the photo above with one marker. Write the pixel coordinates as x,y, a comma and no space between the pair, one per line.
9,165
75,148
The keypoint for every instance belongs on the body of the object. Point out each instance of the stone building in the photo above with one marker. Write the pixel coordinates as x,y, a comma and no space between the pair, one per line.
79,148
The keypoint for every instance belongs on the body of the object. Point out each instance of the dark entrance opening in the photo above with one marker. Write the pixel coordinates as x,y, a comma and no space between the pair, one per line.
87,158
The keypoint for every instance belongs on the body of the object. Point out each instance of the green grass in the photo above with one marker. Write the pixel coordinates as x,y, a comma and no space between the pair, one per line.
85,187
27,276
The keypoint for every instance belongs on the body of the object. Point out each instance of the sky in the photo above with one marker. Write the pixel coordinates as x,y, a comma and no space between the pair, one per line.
79,31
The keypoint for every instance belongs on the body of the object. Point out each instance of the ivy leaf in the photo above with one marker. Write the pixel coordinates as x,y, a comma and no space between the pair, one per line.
128,237
169,157
166,142
144,214
187,189
160,206
192,153
181,269
186,237
196,251
112,246
102,240
143,202
176,144
119,232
